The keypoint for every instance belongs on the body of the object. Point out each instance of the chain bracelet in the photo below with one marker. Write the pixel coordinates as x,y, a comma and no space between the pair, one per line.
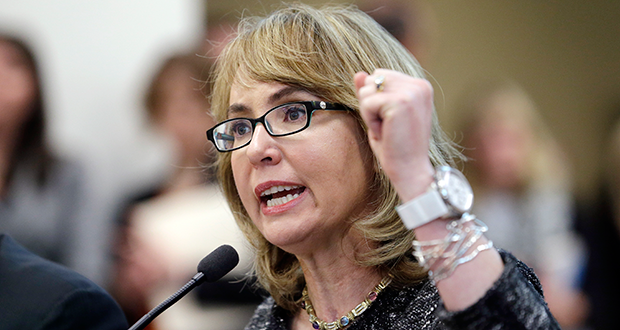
444,255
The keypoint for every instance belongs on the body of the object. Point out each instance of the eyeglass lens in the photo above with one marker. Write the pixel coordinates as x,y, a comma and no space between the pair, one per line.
286,119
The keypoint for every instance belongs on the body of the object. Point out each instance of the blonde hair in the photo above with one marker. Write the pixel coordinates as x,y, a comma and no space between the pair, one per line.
320,50
506,101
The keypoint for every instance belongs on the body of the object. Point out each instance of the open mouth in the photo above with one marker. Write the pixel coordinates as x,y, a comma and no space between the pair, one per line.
278,195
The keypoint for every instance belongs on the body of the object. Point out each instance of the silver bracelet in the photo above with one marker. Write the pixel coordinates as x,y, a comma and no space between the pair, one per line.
444,255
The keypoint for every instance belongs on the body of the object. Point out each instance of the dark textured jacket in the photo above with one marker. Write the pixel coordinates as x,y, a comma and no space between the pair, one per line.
38,294
514,302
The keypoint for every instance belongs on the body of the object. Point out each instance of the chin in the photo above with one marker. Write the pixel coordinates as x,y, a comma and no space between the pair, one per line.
292,238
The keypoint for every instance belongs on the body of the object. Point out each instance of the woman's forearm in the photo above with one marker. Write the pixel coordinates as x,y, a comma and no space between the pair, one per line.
470,280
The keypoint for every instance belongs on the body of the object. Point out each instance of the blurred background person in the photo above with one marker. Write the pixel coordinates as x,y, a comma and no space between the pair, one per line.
220,28
599,223
166,231
411,22
40,201
522,186
40,192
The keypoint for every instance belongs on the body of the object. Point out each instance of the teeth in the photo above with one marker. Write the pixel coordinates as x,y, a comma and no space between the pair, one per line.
281,200
276,189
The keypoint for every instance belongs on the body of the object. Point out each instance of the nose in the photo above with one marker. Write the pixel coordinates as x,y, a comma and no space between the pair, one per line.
263,149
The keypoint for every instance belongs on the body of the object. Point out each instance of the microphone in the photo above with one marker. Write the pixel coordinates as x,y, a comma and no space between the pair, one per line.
210,269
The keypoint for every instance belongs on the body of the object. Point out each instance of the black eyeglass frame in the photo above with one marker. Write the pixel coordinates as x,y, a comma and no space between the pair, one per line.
311,106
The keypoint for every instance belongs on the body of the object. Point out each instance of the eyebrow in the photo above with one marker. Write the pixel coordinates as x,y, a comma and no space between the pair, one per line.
237,108
286,91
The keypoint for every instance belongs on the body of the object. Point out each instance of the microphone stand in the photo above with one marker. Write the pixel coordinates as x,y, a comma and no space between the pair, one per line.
147,318
211,268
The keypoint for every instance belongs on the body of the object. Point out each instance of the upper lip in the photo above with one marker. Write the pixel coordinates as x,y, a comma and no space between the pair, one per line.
267,188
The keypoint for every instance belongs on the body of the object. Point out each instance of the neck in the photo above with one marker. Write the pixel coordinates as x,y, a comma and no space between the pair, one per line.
336,284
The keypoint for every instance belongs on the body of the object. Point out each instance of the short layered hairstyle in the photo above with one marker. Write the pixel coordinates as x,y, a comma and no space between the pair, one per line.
320,50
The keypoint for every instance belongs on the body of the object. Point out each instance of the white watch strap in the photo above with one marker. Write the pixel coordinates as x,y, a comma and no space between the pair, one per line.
422,209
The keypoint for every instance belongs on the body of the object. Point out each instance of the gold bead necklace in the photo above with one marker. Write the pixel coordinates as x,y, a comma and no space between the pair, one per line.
345,320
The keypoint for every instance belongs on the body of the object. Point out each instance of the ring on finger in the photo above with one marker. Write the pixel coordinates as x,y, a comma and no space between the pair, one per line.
379,83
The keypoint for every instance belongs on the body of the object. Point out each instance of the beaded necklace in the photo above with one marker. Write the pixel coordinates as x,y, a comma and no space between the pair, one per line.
345,320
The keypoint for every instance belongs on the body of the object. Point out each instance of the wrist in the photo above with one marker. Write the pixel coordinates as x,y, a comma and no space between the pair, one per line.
435,229
413,183
463,242
448,196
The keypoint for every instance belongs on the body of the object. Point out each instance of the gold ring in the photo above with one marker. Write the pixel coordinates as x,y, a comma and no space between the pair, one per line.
379,83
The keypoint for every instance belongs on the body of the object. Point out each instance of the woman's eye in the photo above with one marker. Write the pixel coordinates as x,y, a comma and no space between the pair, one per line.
240,129
295,114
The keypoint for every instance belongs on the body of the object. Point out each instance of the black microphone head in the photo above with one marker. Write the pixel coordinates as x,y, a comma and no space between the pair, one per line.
218,263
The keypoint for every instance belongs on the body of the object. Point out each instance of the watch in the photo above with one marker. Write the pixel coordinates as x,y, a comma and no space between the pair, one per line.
450,195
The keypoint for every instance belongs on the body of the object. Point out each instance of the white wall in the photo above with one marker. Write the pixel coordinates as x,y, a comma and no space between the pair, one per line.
96,58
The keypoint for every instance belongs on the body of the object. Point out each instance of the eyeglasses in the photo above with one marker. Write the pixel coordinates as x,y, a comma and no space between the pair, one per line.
285,119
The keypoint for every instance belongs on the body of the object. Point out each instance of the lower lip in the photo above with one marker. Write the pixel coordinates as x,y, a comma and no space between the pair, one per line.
271,210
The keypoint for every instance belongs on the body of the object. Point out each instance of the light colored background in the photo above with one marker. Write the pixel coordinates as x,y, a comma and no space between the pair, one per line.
98,56
566,54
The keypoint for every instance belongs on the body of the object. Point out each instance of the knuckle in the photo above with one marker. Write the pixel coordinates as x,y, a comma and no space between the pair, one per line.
426,88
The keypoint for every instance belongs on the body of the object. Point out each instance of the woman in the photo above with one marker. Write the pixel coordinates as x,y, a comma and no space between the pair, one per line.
153,234
38,191
317,200
522,187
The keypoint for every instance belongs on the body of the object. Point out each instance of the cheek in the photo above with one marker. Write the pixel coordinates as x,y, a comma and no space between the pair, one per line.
241,175
345,165
18,90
